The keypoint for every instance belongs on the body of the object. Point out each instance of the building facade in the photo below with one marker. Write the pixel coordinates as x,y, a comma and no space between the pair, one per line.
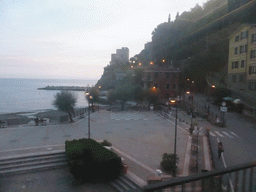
242,58
163,80
121,56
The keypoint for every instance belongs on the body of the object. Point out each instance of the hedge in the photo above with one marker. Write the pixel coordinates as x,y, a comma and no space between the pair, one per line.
89,161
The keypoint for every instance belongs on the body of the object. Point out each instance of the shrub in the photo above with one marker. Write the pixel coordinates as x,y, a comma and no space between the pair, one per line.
89,161
168,162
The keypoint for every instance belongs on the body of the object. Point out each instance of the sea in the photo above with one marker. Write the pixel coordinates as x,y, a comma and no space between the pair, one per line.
22,95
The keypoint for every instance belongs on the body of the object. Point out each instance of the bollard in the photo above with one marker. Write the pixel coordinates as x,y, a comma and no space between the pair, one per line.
125,168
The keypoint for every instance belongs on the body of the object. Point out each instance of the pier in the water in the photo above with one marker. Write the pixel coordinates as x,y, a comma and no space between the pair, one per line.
64,88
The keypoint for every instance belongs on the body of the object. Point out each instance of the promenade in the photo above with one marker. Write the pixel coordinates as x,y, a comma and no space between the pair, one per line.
141,138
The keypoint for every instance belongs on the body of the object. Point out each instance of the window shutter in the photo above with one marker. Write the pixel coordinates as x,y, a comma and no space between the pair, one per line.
250,70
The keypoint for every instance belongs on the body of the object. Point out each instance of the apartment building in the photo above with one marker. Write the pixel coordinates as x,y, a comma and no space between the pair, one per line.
242,58
165,80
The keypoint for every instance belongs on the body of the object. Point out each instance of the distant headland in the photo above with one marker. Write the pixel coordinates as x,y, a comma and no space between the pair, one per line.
64,88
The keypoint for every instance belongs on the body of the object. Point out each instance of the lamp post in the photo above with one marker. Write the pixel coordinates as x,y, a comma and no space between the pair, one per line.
89,97
175,139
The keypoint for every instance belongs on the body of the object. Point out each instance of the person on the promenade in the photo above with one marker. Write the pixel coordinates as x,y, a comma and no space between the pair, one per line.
220,149
37,121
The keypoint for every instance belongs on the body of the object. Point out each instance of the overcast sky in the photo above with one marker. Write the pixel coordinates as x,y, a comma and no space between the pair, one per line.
74,39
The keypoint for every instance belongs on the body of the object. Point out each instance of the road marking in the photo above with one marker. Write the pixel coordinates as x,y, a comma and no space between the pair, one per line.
234,134
212,134
219,134
227,134
225,165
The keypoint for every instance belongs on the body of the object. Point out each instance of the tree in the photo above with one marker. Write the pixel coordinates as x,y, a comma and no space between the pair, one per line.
65,101
94,94
138,94
123,93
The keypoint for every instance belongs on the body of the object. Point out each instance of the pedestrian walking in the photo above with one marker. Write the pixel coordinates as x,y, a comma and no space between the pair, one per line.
220,149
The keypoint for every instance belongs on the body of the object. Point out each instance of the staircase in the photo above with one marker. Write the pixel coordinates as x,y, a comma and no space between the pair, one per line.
123,184
32,162
51,160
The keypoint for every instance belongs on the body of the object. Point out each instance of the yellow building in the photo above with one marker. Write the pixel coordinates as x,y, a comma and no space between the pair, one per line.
242,58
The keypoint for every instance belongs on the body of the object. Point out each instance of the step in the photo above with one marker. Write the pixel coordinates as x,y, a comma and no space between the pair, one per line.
123,184
129,182
116,186
34,168
31,155
32,163
30,159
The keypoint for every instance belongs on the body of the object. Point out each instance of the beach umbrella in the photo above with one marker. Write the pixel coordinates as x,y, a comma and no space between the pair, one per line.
237,101
228,98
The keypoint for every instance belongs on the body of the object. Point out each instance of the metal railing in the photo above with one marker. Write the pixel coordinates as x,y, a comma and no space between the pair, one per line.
239,178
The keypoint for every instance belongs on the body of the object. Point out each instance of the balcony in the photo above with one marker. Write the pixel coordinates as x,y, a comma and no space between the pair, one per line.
239,178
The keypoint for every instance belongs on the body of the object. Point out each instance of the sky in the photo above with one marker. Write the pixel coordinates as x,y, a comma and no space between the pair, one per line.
74,39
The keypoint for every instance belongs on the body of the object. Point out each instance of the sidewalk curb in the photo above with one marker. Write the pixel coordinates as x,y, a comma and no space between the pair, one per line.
207,159
134,160
187,157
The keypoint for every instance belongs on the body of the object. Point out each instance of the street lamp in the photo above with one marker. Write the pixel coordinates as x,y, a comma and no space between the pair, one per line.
89,97
190,97
174,102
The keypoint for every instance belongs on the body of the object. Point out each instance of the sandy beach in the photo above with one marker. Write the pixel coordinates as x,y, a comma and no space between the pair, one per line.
25,117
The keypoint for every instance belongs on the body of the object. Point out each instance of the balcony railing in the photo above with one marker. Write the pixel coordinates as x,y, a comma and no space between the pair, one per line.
239,178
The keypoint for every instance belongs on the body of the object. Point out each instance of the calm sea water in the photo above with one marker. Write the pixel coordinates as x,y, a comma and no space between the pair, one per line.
21,95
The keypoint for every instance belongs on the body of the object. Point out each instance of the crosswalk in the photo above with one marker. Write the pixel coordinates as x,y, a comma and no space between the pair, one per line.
229,134
127,116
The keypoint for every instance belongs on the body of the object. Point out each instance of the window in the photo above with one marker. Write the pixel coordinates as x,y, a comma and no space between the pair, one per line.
236,50
251,85
243,49
234,78
244,34
174,86
253,37
167,86
253,53
156,75
167,75
241,78
252,70
242,63
237,38
235,65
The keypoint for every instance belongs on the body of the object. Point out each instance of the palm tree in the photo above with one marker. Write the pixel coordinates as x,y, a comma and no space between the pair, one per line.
65,101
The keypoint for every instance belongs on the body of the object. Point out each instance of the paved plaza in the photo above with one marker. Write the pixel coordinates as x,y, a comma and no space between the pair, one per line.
140,138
